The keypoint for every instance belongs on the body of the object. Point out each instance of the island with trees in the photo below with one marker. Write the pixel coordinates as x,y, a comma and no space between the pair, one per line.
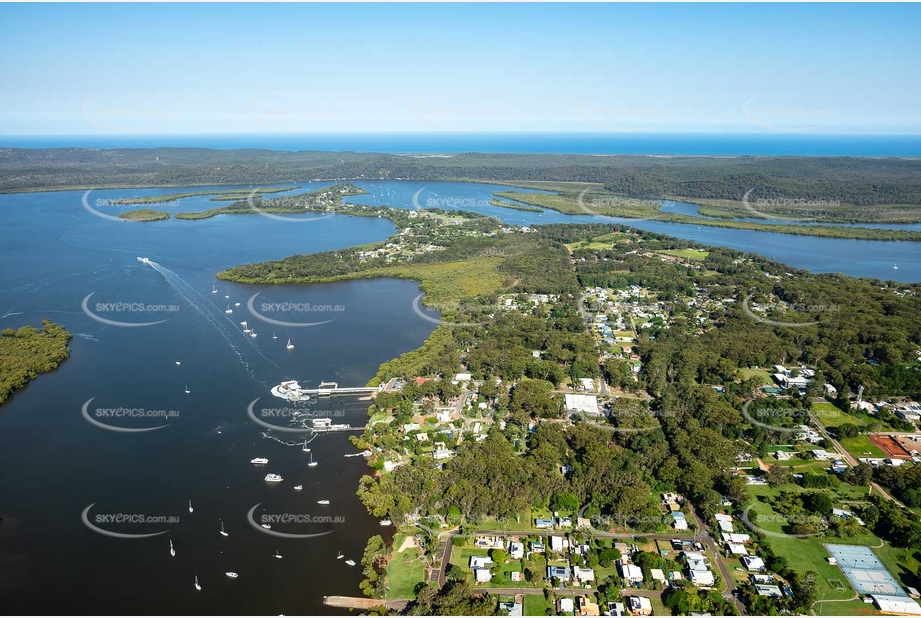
27,352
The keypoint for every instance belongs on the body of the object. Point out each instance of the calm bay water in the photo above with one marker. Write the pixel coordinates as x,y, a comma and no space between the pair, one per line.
54,253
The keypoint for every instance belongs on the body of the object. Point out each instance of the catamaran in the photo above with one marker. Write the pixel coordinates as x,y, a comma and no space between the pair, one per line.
223,533
259,460
290,345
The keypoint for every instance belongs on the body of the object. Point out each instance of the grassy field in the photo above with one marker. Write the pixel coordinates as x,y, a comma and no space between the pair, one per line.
860,446
805,554
536,605
404,570
686,254
763,374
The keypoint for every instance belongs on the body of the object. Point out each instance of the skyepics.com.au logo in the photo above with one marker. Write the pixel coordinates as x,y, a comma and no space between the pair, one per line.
456,309
792,308
786,119
793,421
800,526
760,206
288,308
103,202
101,522
288,419
281,525
97,310
108,418
436,202
626,420
630,210
264,210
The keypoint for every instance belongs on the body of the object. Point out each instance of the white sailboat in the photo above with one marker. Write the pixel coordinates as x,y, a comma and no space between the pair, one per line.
350,562
276,555
298,487
306,448
197,585
243,323
228,309
324,502
252,333
172,551
340,556
213,289
187,391
223,532
232,574
290,345
896,267
274,336
311,463
226,295
190,506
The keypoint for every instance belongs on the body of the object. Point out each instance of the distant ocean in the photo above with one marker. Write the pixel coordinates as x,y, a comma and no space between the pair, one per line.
529,143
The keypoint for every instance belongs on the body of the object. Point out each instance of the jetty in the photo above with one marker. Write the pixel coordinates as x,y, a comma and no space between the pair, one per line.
292,391
365,603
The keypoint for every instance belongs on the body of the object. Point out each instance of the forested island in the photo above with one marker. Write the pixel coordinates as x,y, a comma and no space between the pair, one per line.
318,200
476,446
144,214
27,352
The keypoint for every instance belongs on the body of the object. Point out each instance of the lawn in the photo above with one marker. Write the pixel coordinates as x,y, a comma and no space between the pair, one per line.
846,608
686,254
860,446
763,374
404,570
902,563
536,605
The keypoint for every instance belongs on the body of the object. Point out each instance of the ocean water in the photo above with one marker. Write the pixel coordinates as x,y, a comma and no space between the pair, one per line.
774,144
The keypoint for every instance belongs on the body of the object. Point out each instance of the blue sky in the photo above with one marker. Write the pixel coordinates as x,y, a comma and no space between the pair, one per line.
240,68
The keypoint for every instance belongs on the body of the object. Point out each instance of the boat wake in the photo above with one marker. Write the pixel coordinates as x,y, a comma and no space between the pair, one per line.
198,302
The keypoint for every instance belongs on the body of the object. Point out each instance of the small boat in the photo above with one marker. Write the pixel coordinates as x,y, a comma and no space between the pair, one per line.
273,478
243,323
311,463
232,574
190,506
252,333
386,522
172,551
298,487
178,363
236,304
266,526
228,309
197,585
223,532
274,336
340,556
259,460
322,501
350,562
213,289
290,345
226,295
306,448
896,267
187,391
276,555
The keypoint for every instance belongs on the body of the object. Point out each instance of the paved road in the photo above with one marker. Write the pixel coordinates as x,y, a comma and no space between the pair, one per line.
728,580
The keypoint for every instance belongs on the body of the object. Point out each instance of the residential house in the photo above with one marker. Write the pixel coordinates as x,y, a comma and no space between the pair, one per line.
702,579
480,562
543,524
560,572
482,575
584,575
587,607
516,550
639,606
631,573
565,606
753,563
